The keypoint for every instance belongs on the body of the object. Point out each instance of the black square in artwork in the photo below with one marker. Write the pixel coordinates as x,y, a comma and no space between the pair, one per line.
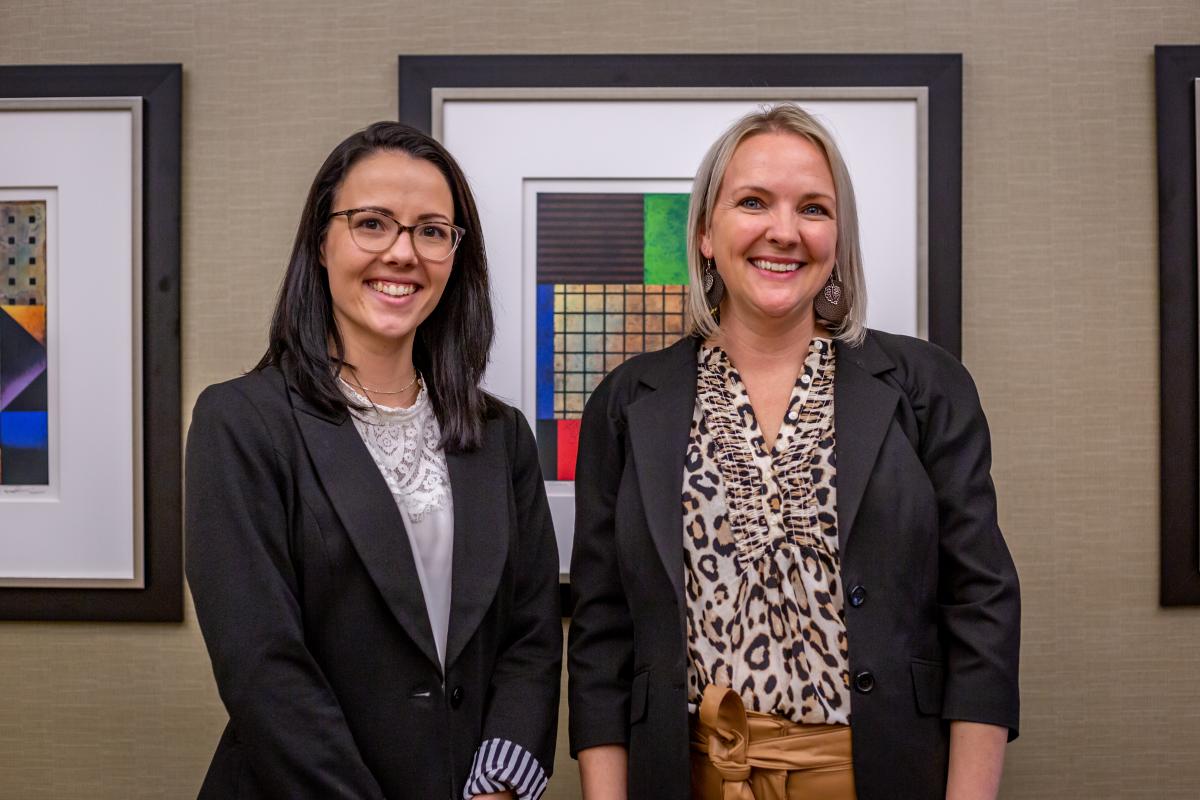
33,281
12,220
26,465
12,281
31,220
33,259
12,260
33,240
33,301
12,240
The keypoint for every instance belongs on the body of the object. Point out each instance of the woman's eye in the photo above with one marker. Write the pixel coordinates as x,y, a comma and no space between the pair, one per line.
812,209
432,232
752,203
369,223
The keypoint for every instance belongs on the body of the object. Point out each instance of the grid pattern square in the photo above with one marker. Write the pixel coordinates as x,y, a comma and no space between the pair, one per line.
599,325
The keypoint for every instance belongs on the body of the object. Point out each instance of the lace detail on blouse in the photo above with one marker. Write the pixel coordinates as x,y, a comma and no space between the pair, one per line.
404,444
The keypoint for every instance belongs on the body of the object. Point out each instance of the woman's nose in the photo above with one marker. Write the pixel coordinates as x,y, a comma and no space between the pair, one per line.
782,228
403,250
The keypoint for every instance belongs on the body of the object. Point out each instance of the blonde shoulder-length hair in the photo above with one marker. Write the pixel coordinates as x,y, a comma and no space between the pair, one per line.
781,118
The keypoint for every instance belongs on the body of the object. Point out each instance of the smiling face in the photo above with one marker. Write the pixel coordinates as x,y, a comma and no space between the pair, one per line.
379,299
773,232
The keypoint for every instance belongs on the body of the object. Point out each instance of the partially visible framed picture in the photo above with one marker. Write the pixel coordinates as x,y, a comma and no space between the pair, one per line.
1177,91
90,513
582,166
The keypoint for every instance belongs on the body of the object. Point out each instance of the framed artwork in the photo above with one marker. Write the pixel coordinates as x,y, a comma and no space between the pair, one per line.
598,302
1177,90
582,166
90,469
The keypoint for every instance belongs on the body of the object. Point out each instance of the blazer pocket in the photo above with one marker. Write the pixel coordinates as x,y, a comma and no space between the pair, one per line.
928,685
637,696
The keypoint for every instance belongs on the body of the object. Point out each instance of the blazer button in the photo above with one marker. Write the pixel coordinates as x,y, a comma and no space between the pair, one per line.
456,697
858,596
864,682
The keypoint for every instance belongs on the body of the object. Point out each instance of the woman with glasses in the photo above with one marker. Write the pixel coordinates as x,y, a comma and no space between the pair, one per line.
369,546
789,578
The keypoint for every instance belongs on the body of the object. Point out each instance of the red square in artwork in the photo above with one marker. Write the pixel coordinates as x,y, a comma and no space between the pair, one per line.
568,448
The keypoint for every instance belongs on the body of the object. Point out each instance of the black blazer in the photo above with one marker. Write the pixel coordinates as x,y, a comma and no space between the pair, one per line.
935,631
307,594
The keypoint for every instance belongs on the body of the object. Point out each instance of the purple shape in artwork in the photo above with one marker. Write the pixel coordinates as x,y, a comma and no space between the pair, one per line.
22,359
14,385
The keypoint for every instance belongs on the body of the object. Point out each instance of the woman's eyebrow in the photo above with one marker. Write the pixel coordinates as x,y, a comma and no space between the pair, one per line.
750,187
756,189
428,215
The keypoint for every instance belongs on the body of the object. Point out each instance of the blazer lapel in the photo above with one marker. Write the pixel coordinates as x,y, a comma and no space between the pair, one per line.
863,407
363,502
658,431
479,483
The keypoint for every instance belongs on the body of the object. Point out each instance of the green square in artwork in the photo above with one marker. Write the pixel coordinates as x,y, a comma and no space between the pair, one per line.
664,242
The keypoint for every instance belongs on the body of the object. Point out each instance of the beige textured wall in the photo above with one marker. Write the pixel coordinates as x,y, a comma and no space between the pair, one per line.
1060,331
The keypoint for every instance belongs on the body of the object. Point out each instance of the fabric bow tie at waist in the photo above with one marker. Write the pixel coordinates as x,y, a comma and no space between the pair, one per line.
738,743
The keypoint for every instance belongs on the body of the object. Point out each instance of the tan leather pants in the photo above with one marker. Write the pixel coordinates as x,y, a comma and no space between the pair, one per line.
741,755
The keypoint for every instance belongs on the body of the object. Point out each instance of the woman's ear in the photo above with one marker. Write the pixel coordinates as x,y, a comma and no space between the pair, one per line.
706,249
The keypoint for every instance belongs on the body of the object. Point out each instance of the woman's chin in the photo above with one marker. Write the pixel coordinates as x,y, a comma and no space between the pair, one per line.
779,312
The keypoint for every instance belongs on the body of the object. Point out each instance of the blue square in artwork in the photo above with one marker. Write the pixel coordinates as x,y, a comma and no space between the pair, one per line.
24,429
545,351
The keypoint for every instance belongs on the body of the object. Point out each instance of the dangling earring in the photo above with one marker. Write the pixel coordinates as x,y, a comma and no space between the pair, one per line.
714,287
831,304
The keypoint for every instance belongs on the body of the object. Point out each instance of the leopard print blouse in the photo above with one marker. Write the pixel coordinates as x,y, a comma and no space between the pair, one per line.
764,594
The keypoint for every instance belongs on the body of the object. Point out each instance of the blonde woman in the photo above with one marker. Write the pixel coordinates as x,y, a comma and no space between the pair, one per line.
788,575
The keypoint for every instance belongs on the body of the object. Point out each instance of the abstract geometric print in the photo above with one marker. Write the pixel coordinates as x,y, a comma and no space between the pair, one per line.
24,444
611,283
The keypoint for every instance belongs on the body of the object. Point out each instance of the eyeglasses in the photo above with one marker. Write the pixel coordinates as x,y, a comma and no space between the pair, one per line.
376,232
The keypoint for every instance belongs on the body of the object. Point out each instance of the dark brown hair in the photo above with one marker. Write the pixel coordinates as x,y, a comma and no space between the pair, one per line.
451,346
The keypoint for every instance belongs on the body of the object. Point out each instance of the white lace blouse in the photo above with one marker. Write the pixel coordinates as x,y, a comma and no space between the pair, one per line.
404,442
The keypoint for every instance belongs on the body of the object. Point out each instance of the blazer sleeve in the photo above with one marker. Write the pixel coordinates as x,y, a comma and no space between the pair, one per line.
523,707
283,711
600,651
978,592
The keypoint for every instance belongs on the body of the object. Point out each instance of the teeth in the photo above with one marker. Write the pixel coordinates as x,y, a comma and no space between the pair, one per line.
775,266
393,289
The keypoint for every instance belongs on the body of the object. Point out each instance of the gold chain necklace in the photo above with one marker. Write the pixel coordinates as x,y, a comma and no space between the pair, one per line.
357,385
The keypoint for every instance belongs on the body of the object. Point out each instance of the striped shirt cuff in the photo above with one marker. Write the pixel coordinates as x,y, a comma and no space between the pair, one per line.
501,765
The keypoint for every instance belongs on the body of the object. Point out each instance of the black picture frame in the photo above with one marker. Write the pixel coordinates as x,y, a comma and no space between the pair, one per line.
940,74
160,87
1176,70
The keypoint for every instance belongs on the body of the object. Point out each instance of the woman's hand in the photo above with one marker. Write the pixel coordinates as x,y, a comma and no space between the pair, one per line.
602,772
976,760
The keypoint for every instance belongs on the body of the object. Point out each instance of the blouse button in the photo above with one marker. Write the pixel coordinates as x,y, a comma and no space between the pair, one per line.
805,379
